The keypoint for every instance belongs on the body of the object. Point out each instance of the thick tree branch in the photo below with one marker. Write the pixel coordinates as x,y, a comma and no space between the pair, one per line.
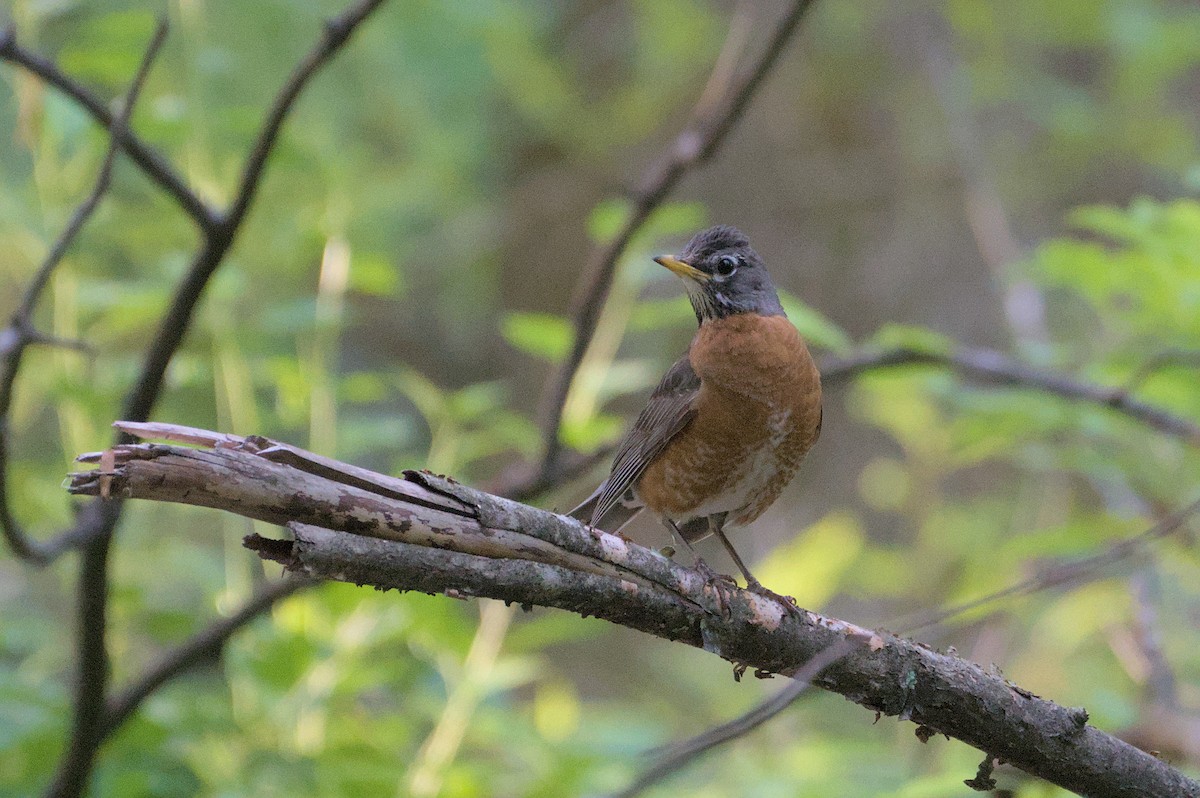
146,157
1073,572
698,141
427,533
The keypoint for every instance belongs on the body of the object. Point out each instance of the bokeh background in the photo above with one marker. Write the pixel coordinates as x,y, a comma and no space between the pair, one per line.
1021,176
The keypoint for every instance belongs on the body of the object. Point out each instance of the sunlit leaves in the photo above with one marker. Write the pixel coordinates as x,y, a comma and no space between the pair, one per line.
406,150
539,334
465,426
1147,277
816,328
810,567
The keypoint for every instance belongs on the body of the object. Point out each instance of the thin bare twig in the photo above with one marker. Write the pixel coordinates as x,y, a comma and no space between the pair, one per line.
1074,571
177,319
146,157
204,646
1167,359
11,338
1161,684
21,333
698,141
991,366
337,32
681,754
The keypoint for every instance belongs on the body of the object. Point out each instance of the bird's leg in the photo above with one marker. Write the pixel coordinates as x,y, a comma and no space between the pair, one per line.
700,564
718,581
716,523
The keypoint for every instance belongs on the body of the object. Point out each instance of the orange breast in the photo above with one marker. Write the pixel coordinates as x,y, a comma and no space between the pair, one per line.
757,414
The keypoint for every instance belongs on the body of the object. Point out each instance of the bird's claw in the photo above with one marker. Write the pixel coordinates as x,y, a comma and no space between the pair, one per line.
789,603
722,585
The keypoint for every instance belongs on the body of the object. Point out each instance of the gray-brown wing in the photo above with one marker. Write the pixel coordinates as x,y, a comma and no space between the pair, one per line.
671,407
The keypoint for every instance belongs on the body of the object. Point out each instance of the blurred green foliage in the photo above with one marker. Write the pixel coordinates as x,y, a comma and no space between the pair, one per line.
378,308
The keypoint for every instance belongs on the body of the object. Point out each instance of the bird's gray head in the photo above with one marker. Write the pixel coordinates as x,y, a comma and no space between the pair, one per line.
723,275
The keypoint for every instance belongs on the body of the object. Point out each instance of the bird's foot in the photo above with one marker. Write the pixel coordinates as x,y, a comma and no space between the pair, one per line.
597,532
789,603
722,585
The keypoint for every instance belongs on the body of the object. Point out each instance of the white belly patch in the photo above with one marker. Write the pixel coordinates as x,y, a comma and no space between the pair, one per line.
750,475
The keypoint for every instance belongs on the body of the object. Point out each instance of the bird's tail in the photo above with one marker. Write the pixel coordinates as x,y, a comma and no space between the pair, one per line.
615,519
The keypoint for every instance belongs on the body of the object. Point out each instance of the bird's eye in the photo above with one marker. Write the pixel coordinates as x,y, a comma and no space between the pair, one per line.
727,265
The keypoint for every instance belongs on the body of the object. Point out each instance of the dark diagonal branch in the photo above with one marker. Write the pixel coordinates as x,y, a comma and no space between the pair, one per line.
178,317
93,529
337,32
205,646
91,678
427,533
681,755
994,367
21,333
146,157
92,664
698,141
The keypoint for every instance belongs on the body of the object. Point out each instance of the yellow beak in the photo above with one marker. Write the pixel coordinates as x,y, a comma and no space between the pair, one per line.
682,269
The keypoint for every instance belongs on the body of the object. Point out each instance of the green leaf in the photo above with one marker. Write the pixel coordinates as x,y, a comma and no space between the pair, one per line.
373,274
606,219
539,334
910,337
814,326
670,219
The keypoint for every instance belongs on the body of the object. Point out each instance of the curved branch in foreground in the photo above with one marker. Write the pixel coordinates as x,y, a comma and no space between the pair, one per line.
992,366
424,532
679,755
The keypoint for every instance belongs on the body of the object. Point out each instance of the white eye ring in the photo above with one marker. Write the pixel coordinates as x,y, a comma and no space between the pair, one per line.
726,266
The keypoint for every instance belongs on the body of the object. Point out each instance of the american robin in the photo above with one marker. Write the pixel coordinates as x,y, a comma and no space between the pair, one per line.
727,427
